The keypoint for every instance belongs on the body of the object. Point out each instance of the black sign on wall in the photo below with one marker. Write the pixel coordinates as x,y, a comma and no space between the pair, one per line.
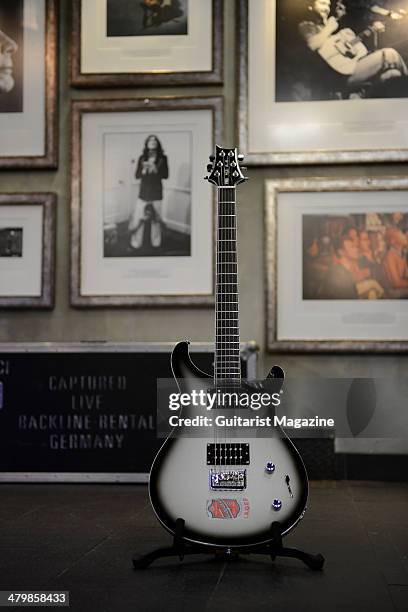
85,412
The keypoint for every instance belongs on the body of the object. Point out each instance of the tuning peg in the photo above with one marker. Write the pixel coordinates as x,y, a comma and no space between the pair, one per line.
212,157
206,178
241,157
209,167
244,168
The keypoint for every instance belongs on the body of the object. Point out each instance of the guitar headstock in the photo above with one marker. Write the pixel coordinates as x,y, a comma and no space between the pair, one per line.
225,169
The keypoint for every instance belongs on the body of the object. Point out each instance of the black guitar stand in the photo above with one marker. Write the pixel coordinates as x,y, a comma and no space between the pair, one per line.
274,548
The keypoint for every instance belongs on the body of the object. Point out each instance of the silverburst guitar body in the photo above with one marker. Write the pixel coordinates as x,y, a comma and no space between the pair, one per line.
227,488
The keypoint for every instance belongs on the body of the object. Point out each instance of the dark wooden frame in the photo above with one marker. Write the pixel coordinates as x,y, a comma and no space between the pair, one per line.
50,157
272,189
142,79
48,202
312,156
79,107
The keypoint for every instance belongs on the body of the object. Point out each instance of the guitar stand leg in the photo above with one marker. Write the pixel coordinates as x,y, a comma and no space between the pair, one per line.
276,549
178,549
178,543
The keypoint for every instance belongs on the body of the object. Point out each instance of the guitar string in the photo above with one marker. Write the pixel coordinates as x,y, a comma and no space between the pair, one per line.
227,308
216,324
234,356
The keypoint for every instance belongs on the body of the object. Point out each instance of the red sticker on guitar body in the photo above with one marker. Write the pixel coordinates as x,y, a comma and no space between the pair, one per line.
225,508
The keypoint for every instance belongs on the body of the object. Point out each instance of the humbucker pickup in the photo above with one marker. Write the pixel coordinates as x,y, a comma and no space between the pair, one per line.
230,480
228,453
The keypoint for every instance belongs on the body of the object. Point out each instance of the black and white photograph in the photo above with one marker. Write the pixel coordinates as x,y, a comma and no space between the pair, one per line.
341,49
28,84
142,215
11,241
27,250
356,256
147,17
323,81
11,55
147,197
127,43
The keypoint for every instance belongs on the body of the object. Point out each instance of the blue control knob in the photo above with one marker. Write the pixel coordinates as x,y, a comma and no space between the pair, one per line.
270,467
277,504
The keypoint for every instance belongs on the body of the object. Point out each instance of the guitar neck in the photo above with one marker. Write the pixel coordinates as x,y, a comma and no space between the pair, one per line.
364,34
227,353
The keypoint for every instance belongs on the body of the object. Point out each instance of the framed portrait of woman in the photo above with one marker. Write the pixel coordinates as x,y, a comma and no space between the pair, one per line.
28,84
337,265
142,215
146,42
323,81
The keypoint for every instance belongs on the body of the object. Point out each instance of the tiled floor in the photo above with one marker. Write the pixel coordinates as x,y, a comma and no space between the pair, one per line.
81,538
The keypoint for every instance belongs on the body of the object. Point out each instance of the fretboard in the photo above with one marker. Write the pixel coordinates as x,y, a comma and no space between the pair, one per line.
227,353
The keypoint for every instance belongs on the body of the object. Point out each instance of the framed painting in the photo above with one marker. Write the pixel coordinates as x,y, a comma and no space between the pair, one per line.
27,250
28,84
323,81
337,264
119,43
142,215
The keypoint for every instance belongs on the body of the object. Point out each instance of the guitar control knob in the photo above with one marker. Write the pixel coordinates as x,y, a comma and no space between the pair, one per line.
270,467
277,504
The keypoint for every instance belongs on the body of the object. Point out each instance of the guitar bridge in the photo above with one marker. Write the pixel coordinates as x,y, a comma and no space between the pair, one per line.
229,480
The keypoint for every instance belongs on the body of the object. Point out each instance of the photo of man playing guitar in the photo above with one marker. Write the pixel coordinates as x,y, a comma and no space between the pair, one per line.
345,49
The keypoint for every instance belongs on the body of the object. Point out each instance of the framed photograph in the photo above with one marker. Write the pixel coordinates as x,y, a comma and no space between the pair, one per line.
28,84
323,81
142,213
27,250
119,43
337,264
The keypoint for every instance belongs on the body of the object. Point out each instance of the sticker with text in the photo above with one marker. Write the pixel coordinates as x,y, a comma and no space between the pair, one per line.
226,508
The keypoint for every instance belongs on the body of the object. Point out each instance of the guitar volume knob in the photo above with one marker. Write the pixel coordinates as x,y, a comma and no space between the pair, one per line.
276,504
270,467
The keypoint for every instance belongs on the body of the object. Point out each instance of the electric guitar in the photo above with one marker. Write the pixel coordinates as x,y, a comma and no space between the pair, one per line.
227,488
342,50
